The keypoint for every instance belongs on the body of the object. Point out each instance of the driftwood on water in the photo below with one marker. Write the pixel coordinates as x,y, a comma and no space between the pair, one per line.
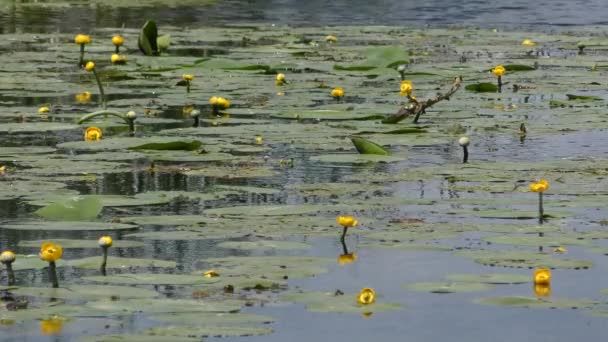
417,108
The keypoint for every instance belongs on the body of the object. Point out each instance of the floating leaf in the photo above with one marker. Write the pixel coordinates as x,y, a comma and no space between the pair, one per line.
364,146
193,145
67,243
216,330
491,278
538,303
522,259
482,87
150,278
73,209
330,302
116,262
449,287
65,226
86,292
147,39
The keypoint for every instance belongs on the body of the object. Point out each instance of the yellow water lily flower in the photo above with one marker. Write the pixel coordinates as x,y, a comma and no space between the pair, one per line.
366,296
118,40
82,39
92,134
50,252
499,70
346,221
7,257
540,186
528,42
337,92
344,259
2,169
52,326
280,79
258,140
83,97
210,274
406,88
331,38
542,290
187,77
542,276
89,66
44,109
560,250
118,59
105,241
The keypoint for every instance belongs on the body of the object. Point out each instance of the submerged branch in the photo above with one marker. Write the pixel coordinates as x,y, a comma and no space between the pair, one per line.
419,107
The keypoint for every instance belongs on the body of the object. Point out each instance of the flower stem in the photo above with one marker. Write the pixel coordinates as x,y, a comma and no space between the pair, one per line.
344,248
101,92
102,269
81,60
11,274
117,50
53,274
499,84
343,234
131,123
541,210
216,110
465,156
196,121
188,87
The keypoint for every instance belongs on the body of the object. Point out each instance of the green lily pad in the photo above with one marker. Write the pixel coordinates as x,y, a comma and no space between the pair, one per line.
147,40
68,243
136,338
86,292
263,245
201,319
216,330
356,158
161,305
192,145
65,226
151,279
330,302
522,259
72,209
364,146
449,287
553,241
116,262
538,303
482,87
491,278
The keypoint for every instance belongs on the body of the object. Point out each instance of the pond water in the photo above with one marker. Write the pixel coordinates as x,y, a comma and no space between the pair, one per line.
253,191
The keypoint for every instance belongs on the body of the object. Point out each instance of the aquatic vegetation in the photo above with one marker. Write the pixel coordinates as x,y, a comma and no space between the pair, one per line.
104,242
499,71
540,187
542,276
464,143
528,42
44,109
92,134
210,274
188,79
7,258
331,39
218,103
83,97
406,88
366,296
118,59
337,93
82,40
129,118
50,253
280,79
117,41
259,140
346,222
90,66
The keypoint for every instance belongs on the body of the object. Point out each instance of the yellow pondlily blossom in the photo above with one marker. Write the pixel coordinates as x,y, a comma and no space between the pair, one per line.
540,186
83,97
346,221
118,59
280,79
331,38
50,252
105,241
560,250
2,169
542,290
89,66
82,39
406,88
92,134
187,77
7,257
118,40
366,296
347,258
337,92
528,42
499,71
213,100
210,274
258,140
52,326
44,109
542,276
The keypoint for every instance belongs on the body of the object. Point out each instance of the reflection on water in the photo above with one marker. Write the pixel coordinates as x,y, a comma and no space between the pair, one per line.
46,16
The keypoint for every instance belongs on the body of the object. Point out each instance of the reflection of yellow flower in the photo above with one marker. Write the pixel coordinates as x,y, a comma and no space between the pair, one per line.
82,39
187,77
118,40
337,92
92,134
528,42
51,326
347,258
331,38
542,290
118,59
50,252
89,66
406,88
210,274
7,257
83,97
499,71
346,221
105,241
44,109
542,276
540,186
366,296
280,79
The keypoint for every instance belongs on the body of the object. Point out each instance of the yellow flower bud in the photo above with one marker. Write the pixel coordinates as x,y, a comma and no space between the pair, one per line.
105,241
210,274
331,39
499,71
542,276
89,66
347,221
82,39
528,42
7,257
118,40
406,88
44,109
366,296
92,134
50,252
337,92
280,79
187,77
